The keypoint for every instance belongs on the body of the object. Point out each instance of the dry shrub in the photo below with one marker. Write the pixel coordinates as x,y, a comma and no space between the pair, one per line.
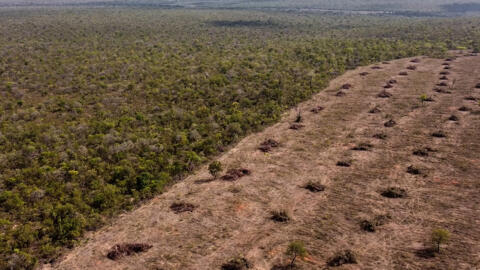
342,257
180,207
317,109
384,94
314,187
453,118
403,73
344,163
340,94
346,86
296,126
280,216
234,174
392,81
236,264
267,145
439,134
394,192
127,249
390,123
442,84
362,147
412,67
380,136
412,170
440,90
375,110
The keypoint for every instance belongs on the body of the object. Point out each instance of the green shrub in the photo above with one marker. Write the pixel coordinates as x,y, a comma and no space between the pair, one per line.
215,168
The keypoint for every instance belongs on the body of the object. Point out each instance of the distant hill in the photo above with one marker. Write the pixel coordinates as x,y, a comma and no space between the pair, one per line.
434,6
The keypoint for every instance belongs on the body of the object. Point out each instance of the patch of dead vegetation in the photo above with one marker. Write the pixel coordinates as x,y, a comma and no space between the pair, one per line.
453,118
426,253
412,67
239,263
375,110
344,163
180,207
342,257
235,174
439,134
314,187
363,74
362,147
403,73
317,109
121,250
340,94
371,225
384,94
442,84
381,136
413,170
280,216
394,192
296,126
442,91
267,145
423,152
390,123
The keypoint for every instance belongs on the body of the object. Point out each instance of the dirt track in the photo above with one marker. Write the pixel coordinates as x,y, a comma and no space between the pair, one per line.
233,218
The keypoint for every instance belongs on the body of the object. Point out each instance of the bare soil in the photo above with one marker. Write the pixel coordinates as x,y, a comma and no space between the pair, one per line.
233,218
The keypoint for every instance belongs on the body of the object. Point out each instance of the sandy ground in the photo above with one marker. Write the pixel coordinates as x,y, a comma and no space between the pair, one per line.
233,218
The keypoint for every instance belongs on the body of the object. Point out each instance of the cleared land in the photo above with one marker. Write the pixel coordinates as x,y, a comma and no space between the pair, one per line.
233,218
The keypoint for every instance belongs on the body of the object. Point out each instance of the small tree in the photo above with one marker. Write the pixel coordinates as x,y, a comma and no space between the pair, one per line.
423,98
215,168
440,236
296,249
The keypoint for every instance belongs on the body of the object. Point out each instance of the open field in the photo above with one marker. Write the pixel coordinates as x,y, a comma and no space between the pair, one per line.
232,218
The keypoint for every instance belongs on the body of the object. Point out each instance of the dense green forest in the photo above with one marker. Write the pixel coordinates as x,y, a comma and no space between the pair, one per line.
101,108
